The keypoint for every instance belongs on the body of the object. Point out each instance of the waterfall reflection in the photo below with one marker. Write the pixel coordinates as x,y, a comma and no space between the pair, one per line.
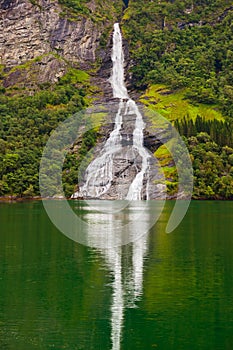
125,290
124,262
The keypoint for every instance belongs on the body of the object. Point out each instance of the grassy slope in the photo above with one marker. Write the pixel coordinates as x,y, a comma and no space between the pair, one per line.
174,105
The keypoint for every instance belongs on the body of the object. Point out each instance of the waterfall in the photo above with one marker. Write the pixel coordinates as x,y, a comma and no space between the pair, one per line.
120,91
100,173
117,78
135,190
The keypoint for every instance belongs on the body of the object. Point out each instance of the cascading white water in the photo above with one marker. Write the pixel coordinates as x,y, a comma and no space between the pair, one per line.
99,173
120,91
135,190
117,77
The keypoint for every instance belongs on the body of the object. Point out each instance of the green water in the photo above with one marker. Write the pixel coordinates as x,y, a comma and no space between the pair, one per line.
166,291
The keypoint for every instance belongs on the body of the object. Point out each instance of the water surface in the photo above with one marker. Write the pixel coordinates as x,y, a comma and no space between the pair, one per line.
165,291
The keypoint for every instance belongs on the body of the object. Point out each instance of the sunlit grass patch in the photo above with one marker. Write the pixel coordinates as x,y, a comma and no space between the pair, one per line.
173,104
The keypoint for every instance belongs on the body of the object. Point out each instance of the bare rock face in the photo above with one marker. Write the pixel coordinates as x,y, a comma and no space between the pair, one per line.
47,69
30,30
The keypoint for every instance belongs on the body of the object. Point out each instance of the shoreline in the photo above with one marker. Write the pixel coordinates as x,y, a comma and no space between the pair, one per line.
15,199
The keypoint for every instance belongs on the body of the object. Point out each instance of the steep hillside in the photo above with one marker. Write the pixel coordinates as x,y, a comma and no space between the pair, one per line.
49,53
181,62
55,58
183,44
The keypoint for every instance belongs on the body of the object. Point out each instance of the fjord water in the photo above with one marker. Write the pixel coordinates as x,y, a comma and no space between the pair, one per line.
171,291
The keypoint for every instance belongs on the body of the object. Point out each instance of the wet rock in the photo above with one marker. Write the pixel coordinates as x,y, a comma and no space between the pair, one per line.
116,169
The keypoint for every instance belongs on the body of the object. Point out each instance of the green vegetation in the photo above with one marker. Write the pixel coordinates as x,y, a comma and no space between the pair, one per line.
169,169
175,105
74,8
219,131
183,44
212,168
26,123
100,11
182,62
76,162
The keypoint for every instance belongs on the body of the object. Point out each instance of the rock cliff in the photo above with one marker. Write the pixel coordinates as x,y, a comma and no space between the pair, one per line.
45,38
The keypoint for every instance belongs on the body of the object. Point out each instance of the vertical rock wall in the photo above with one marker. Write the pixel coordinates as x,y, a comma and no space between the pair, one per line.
34,29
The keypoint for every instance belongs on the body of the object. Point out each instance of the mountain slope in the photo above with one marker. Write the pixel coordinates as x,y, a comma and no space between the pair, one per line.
183,44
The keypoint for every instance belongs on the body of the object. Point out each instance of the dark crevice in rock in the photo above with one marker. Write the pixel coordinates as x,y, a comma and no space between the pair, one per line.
6,4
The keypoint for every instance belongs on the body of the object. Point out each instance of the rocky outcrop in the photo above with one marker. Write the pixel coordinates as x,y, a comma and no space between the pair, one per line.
29,30
47,69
